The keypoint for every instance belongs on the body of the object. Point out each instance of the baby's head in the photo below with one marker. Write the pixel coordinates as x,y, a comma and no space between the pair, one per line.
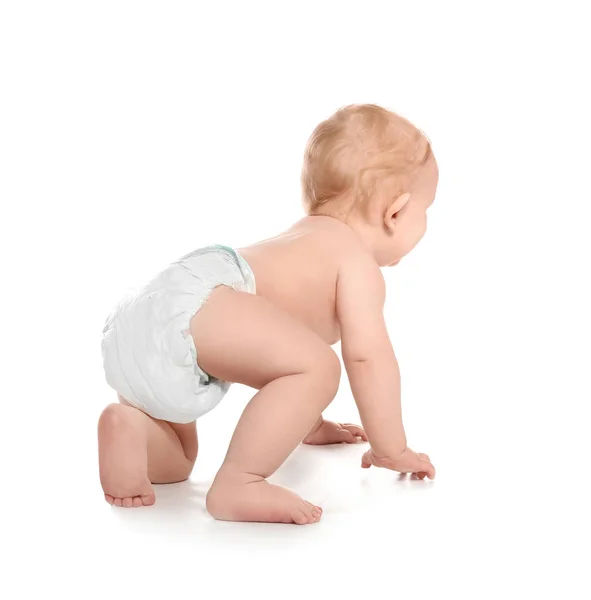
373,169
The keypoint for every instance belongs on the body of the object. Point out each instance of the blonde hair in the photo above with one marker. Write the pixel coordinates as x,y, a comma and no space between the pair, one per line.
354,152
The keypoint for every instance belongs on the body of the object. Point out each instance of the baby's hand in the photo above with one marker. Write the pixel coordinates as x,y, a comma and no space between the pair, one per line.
335,433
407,462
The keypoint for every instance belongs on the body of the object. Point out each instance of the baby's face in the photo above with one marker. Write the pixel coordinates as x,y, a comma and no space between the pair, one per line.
411,221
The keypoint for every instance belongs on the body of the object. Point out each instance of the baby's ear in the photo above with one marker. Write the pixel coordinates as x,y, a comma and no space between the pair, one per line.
393,209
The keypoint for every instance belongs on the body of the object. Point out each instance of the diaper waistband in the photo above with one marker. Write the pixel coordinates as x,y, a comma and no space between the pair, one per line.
245,269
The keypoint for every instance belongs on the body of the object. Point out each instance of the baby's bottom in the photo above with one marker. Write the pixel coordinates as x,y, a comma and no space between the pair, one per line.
244,338
136,450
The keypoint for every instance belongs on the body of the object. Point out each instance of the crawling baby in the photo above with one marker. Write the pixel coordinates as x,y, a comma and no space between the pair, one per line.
266,316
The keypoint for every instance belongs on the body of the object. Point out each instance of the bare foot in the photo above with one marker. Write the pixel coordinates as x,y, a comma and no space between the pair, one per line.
249,498
123,460
328,432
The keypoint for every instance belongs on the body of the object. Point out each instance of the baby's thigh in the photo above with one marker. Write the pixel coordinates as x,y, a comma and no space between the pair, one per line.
244,338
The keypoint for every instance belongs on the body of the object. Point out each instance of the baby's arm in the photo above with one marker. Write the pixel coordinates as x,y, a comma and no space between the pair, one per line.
372,367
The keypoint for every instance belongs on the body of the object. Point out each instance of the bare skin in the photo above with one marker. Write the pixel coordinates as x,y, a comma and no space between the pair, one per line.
318,282
136,450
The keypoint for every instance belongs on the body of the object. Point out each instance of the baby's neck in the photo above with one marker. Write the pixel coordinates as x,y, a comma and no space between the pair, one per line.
364,231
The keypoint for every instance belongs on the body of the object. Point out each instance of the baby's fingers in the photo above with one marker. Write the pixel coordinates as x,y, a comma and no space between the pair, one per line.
425,469
347,436
366,461
355,431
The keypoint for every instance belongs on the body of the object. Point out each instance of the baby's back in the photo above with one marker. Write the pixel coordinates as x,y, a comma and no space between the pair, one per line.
297,271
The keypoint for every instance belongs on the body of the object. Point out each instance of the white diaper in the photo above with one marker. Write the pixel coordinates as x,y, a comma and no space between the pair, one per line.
149,356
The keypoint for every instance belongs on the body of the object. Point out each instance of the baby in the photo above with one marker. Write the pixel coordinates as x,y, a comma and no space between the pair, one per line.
266,316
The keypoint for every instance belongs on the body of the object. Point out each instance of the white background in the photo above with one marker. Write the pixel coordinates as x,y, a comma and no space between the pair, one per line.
134,132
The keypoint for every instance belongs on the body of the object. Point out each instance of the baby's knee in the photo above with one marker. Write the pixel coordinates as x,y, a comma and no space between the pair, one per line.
117,417
326,366
113,415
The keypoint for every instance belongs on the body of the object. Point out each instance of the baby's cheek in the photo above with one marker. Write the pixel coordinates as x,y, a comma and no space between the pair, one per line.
423,228
419,233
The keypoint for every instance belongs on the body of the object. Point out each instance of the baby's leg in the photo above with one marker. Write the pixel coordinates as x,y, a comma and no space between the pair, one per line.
136,450
243,338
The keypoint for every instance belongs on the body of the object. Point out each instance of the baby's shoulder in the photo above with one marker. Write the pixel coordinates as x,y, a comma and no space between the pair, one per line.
333,241
352,254
352,264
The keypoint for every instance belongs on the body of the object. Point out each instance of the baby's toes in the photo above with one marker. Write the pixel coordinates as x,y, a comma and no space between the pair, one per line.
315,511
117,502
300,516
137,502
127,502
310,511
109,499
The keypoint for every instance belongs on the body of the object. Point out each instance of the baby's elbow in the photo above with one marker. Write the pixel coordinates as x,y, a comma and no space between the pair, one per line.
356,359
359,357
368,355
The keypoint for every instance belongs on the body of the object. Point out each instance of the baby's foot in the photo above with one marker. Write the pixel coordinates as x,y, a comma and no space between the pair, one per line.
123,459
335,433
245,498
